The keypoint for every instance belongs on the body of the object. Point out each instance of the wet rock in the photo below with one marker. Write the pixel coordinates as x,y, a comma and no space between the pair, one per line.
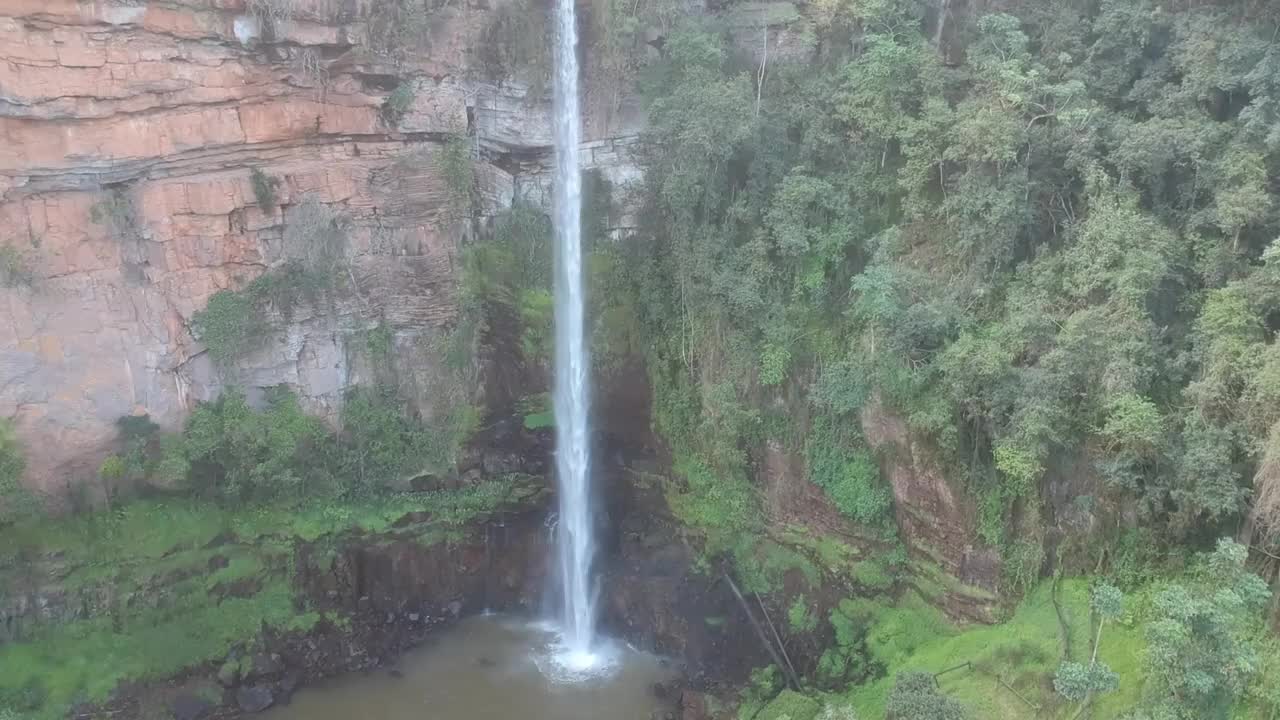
501,463
660,690
286,687
395,673
191,706
455,608
265,665
255,698
414,617
693,706
229,673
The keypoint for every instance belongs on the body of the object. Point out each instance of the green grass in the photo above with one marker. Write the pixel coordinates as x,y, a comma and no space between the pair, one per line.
85,660
1024,651
537,411
168,608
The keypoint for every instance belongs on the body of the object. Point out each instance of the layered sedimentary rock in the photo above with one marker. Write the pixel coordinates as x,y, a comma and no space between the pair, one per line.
130,135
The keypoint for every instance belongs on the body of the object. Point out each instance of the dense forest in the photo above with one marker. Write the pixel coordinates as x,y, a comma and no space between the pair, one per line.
1043,235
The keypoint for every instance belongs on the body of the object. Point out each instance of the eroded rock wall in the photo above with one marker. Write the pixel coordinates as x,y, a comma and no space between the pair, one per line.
168,108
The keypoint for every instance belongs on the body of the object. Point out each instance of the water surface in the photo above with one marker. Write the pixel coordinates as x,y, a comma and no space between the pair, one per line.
486,668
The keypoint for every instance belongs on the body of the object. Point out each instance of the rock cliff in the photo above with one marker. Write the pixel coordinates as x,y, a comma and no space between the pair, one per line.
131,134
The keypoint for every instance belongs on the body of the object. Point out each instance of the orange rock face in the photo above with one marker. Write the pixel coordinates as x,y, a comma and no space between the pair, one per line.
167,110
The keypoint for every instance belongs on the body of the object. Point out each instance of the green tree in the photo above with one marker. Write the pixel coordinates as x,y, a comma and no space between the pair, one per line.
1200,647
1078,682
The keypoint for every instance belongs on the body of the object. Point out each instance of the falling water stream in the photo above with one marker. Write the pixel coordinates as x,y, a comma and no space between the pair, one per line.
493,667
576,543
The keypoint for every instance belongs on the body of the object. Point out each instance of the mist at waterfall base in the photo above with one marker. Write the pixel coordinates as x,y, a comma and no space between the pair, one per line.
488,666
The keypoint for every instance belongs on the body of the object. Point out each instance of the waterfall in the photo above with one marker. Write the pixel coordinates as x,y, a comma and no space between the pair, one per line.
572,391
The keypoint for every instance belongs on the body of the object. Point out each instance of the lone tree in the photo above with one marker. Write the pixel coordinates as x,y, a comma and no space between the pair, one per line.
1078,682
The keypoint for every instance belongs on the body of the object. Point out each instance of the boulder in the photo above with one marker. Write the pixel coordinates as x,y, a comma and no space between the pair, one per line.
693,706
191,706
254,698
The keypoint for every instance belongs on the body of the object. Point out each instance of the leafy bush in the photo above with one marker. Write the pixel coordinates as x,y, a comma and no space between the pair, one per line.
847,660
239,454
1077,681
230,325
15,500
15,268
915,696
382,446
799,617
309,261
264,188
397,104
379,341
457,168
839,464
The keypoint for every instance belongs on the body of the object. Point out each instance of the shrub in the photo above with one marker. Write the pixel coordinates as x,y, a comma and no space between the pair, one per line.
395,105
799,618
15,270
915,696
118,214
839,464
310,258
382,445
237,453
378,341
457,168
264,188
229,325
15,500
847,659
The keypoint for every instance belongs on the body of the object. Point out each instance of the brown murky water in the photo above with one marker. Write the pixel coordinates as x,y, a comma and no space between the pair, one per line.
487,668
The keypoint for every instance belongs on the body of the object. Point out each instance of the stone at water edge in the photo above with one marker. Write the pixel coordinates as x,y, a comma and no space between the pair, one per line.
693,705
229,673
255,698
190,706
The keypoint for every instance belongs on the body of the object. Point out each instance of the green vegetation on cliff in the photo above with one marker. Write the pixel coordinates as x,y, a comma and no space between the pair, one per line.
1058,248
155,604
1044,239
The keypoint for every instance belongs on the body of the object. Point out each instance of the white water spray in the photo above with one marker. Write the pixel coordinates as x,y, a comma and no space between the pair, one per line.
572,392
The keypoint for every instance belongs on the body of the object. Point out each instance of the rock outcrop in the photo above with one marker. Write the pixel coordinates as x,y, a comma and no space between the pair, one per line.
131,133
937,520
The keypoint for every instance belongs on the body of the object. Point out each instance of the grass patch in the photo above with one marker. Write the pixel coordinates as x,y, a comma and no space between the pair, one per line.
167,610
537,411
85,660
1024,652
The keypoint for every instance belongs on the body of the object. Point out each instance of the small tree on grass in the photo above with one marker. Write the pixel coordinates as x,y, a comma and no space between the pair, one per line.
1078,682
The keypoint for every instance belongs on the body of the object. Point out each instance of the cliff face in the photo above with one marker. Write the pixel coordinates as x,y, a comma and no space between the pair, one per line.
131,132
